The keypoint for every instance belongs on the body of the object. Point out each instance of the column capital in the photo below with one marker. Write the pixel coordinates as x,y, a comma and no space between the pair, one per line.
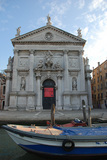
38,75
59,75
81,52
65,51
31,51
16,51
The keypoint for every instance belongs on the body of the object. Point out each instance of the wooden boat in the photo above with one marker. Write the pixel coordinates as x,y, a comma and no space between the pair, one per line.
60,142
75,123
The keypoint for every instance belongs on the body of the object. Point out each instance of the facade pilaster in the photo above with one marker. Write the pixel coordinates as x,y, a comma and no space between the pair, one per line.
59,77
82,72
31,82
66,74
15,66
66,94
8,86
38,77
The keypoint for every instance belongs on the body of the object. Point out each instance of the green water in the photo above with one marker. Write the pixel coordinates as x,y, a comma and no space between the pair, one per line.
10,151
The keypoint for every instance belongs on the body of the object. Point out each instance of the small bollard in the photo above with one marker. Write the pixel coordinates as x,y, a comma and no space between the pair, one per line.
53,115
84,113
89,117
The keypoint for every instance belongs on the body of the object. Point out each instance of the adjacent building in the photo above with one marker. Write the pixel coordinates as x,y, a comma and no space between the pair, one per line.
99,85
2,90
48,68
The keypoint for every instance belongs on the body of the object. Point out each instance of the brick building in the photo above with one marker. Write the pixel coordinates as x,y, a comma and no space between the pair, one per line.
2,90
99,85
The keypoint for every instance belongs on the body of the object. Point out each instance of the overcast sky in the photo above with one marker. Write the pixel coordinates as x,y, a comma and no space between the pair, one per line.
68,15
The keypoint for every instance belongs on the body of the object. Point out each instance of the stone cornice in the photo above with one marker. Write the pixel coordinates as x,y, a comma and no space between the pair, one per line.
47,43
74,70
46,70
79,93
45,28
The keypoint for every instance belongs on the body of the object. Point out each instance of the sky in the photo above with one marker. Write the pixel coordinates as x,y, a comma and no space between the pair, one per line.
69,15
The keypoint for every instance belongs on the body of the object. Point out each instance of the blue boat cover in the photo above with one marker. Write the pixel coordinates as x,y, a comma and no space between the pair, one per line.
83,131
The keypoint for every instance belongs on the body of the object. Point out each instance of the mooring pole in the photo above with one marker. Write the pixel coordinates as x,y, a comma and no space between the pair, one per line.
89,117
84,113
53,115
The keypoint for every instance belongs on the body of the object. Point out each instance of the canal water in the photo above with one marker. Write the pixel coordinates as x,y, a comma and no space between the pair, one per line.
10,151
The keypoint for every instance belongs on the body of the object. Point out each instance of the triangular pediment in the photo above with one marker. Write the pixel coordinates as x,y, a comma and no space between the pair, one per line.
48,34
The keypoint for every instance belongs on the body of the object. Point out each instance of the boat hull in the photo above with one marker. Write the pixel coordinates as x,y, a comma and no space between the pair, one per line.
54,145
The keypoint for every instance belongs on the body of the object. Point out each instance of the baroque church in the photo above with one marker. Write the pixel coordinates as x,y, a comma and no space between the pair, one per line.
48,68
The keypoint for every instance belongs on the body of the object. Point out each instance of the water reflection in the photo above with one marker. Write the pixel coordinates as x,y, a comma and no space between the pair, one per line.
10,151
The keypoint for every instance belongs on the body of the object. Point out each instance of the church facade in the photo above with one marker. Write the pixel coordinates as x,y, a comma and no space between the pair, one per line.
48,68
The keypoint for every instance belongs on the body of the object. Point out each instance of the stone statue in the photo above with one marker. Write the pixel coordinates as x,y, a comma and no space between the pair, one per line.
18,31
23,83
57,66
49,62
87,61
40,65
74,83
49,20
79,33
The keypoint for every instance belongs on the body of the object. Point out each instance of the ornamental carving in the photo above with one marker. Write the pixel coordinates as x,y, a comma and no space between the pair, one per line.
48,61
48,36
23,62
73,63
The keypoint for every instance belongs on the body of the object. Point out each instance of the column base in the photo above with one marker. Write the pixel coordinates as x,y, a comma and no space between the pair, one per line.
6,108
39,108
12,108
59,108
67,107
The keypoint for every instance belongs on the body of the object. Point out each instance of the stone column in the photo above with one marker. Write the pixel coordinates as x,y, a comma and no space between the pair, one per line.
82,72
31,85
8,85
66,74
59,76
66,94
15,66
38,77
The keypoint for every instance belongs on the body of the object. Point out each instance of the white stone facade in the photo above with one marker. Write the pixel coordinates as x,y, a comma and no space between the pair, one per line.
47,53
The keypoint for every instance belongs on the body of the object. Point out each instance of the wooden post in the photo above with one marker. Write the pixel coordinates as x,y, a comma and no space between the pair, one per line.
84,113
53,115
89,117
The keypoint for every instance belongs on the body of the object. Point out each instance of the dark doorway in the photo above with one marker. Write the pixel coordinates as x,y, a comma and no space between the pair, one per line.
48,94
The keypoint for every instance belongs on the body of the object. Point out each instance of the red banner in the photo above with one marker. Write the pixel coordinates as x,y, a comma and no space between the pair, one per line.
48,92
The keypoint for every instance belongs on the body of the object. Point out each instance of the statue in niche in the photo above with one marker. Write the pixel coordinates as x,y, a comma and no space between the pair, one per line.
23,83
40,65
49,62
74,83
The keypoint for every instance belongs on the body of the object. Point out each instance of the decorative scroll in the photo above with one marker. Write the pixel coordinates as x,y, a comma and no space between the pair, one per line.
48,92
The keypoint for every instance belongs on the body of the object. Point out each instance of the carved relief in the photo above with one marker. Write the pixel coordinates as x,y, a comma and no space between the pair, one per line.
74,83
48,58
73,63
40,65
23,84
48,63
23,62
57,66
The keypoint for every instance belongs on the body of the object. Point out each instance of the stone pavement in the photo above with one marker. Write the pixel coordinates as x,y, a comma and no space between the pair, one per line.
42,116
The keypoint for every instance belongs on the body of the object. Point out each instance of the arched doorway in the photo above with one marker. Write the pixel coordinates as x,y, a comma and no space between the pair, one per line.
48,94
